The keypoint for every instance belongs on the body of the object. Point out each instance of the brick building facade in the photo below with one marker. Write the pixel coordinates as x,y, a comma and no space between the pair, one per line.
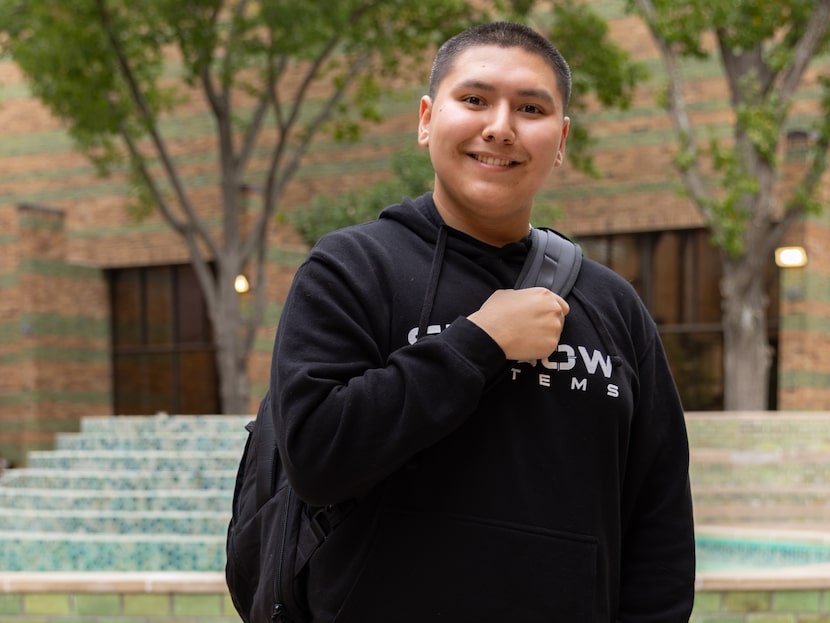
64,232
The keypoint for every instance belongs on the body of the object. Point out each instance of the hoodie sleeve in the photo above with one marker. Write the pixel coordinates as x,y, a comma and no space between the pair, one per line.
349,407
658,551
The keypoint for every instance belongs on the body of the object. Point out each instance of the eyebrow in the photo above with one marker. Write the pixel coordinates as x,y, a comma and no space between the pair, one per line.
542,94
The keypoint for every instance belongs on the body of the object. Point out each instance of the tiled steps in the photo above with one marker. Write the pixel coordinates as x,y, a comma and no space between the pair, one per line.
50,499
770,469
135,460
119,480
193,425
59,551
159,442
766,431
125,494
154,493
91,521
792,507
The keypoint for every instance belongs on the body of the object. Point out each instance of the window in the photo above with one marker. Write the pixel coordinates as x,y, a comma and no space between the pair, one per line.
677,274
163,352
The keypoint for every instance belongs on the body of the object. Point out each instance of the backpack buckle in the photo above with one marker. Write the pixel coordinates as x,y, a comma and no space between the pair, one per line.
324,519
321,524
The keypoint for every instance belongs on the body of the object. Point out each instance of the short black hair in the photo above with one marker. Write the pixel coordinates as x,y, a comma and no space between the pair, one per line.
505,35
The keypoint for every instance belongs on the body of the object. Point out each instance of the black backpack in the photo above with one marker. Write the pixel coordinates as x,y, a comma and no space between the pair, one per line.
272,533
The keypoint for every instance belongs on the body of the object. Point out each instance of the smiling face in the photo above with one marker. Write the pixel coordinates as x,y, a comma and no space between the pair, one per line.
495,130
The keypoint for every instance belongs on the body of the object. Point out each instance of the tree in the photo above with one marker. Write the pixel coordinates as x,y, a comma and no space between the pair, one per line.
765,48
260,69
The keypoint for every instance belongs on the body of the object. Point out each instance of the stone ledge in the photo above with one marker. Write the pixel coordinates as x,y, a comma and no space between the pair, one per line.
809,577
112,582
802,578
770,534
759,416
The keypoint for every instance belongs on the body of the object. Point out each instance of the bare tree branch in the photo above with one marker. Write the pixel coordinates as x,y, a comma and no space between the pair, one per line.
805,50
299,99
184,229
811,178
149,122
140,162
217,102
690,168
275,184
252,131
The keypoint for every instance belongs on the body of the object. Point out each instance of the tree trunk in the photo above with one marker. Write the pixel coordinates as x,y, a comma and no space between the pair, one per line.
747,353
231,355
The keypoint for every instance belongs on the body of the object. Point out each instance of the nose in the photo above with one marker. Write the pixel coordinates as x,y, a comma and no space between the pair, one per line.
499,125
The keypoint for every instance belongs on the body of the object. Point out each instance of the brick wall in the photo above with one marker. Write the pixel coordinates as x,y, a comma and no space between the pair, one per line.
55,334
804,335
637,190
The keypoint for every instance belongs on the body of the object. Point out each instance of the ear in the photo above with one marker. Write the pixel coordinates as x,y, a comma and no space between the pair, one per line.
560,153
424,117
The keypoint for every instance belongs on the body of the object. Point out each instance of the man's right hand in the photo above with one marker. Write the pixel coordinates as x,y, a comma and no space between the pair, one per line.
525,323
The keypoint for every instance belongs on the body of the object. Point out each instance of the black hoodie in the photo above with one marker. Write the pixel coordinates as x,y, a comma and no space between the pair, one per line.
488,490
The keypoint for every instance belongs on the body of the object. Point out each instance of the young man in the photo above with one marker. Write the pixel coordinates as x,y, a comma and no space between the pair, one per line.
507,455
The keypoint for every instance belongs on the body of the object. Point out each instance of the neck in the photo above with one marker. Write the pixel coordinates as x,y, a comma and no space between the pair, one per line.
497,231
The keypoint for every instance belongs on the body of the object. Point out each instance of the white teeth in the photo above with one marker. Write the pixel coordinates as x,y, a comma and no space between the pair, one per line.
494,161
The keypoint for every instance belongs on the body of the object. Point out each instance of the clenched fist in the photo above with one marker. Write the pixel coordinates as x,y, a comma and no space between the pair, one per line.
526,323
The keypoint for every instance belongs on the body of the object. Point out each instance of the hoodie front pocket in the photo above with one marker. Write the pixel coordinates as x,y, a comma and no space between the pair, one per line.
425,567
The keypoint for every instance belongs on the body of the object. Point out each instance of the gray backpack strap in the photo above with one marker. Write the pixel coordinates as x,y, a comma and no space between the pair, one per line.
266,452
553,262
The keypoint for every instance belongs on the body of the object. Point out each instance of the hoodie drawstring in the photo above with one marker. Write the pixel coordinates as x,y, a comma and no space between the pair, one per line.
434,276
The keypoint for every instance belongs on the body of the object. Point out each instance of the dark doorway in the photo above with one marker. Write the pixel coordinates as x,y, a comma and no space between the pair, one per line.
163,351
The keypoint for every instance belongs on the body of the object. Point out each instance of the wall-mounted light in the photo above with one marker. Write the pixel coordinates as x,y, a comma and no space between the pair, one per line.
240,284
790,257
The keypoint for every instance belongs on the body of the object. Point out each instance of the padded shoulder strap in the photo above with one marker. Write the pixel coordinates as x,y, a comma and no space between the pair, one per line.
553,262
266,455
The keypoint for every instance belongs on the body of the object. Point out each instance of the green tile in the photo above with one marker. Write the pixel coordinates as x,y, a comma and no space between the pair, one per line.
151,605
197,605
746,601
10,604
708,602
97,604
796,601
47,603
227,605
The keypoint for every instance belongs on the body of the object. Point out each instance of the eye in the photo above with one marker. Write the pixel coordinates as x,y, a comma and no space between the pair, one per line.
475,100
531,109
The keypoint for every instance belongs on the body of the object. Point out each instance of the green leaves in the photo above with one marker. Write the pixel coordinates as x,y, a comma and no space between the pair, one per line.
67,56
600,69
764,47
730,213
762,125
598,64
68,51
413,175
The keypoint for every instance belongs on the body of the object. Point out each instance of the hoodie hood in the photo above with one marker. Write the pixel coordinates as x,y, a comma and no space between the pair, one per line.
421,217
